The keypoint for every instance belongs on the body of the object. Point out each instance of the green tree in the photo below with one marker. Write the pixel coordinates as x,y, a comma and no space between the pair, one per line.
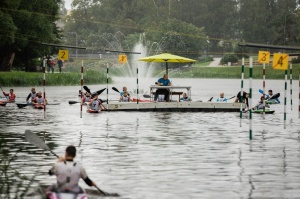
26,25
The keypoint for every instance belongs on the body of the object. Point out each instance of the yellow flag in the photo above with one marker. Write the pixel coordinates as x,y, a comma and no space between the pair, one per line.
63,54
122,59
280,61
264,57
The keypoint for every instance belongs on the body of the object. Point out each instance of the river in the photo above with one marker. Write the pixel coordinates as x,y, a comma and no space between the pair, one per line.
161,154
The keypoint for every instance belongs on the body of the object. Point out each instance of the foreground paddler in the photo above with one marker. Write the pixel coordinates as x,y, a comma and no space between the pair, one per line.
68,173
38,142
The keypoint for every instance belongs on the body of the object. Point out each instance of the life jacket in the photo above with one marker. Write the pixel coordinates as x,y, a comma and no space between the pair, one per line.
11,97
125,99
33,95
95,105
185,99
39,100
67,175
86,99
223,99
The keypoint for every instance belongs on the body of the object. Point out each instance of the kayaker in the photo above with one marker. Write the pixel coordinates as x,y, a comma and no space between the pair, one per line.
124,90
39,99
125,97
68,173
86,98
11,95
164,81
270,94
221,98
31,95
185,97
95,104
260,104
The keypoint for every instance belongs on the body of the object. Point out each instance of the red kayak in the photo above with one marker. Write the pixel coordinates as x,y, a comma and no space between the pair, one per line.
38,106
141,100
92,111
3,103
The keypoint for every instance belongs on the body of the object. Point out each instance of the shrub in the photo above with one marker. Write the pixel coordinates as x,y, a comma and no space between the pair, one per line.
229,58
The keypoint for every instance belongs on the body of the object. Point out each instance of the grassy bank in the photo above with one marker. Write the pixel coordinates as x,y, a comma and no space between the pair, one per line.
232,72
52,79
95,73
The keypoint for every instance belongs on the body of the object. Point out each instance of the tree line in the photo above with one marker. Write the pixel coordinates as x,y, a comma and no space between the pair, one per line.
191,28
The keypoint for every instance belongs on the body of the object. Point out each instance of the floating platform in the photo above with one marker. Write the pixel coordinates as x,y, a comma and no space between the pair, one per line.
174,106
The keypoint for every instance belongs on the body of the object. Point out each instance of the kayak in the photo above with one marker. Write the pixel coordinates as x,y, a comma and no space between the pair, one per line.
267,111
3,103
38,106
54,195
272,102
22,105
35,193
92,111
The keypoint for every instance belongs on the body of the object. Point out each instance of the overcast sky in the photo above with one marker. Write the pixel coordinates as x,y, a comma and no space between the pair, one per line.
68,4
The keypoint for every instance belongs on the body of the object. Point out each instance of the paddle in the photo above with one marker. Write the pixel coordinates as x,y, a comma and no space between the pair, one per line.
4,95
87,89
231,98
210,99
115,89
261,91
73,102
38,142
97,92
277,95
100,91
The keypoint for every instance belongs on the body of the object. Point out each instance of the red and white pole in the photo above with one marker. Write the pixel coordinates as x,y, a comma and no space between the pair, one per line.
81,82
44,86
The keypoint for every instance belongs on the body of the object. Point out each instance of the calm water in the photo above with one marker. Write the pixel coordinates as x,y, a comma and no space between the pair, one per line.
164,155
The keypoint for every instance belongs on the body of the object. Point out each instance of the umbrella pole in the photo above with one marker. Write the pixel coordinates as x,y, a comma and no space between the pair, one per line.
167,68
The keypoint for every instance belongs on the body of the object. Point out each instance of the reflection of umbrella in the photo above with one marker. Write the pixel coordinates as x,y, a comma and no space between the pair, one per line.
166,57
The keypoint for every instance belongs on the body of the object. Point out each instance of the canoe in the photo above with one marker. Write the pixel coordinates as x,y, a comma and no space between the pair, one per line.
54,195
92,111
267,111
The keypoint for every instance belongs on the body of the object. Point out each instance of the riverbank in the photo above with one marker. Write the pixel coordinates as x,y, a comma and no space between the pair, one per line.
231,72
18,78
197,70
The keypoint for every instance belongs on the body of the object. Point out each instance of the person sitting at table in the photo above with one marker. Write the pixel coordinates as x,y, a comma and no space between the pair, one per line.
185,97
221,98
125,97
164,81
